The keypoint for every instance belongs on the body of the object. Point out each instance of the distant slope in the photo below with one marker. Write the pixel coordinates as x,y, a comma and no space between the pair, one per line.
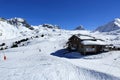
15,27
111,26
20,23
8,31
79,28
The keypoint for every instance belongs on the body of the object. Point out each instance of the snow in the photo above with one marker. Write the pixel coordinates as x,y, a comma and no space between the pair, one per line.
97,42
28,63
105,62
111,26
35,62
117,22
45,58
85,37
20,19
10,31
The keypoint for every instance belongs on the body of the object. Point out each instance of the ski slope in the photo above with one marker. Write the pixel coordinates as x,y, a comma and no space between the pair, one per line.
36,61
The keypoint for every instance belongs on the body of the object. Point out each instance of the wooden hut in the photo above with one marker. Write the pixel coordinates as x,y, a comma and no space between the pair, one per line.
85,44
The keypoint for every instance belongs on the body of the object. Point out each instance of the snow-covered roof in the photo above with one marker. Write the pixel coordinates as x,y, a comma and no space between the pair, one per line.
89,42
117,45
85,37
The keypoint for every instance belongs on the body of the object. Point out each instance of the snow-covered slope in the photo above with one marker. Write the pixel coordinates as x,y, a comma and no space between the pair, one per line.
20,23
37,61
14,27
8,31
42,56
111,26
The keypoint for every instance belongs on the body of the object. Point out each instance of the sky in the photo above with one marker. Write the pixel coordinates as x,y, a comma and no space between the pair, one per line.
66,13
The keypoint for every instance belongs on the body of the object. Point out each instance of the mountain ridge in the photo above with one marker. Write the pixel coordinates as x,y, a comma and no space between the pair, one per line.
14,27
110,26
79,28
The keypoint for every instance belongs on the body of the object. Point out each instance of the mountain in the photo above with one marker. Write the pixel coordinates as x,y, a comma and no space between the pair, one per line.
79,28
18,22
7,31
14,27
111,26
43,55
51,26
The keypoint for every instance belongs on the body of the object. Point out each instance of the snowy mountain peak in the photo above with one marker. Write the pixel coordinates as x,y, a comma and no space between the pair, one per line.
117,21
14,27
79,28
111,26
19,22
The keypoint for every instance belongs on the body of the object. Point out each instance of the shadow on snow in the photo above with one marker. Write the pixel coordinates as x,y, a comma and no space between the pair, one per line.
67,54
75,55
